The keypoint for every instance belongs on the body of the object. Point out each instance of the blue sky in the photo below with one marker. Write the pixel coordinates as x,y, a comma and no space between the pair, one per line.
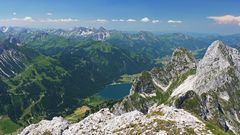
203,16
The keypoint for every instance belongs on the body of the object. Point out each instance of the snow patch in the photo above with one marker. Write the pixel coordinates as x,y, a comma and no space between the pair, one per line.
144,95
235,114
231,127
185,86
4,29
4,72
160,86
224,95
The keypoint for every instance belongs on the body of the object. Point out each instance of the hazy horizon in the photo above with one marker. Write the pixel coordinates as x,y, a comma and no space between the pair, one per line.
127,31
153,15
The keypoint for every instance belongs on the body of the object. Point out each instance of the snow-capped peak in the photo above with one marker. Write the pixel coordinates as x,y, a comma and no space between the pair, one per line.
4,29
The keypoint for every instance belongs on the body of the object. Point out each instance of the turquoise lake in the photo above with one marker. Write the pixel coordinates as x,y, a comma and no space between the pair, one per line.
115,91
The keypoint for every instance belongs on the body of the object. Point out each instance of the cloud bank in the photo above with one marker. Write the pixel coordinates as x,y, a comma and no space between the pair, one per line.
131,20
174,21
59,20
66,22
26,19
118,20
226,19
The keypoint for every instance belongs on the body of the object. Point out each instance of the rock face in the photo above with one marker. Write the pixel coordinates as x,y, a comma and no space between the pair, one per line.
181,62
144,89
212,91
213,70
11,60
56,126
159,120
216,80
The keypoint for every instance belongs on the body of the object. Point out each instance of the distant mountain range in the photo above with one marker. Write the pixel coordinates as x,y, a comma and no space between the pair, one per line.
143,42
100,34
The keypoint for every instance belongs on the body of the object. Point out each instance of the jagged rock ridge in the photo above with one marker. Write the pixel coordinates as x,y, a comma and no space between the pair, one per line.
211,89
145,88
159,120
216,80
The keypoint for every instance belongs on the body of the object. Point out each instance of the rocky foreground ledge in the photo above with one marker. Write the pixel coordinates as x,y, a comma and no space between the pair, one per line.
160,120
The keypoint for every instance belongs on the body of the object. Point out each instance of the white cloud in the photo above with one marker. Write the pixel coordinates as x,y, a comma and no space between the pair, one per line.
226,19
155,21
145,19
14,13
65,20
28,18
31,20
49,14
131,20
25,19
118,20
102,20
175,21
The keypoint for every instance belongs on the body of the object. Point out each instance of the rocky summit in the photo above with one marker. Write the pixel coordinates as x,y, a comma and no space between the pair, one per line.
183,97
216,86
161,120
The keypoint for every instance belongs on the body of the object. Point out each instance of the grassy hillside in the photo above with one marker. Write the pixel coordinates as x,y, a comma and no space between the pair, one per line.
55,84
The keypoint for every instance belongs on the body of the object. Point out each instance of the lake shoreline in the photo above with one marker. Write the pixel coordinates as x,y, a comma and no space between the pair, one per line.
115,91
